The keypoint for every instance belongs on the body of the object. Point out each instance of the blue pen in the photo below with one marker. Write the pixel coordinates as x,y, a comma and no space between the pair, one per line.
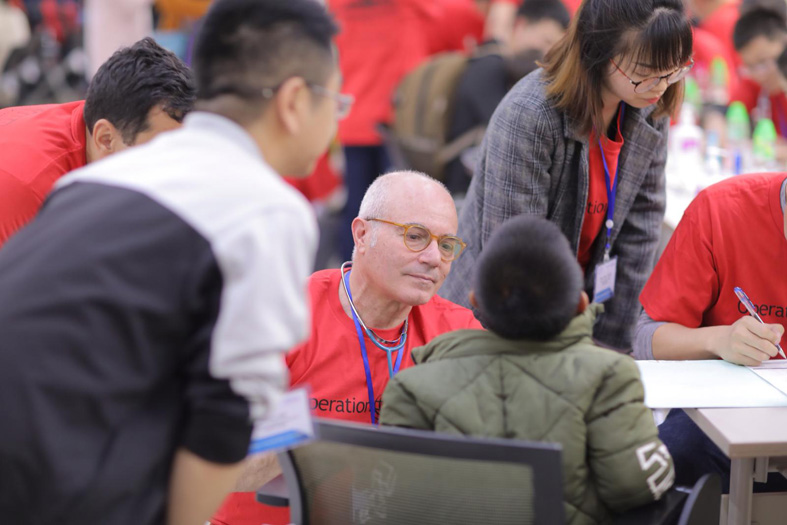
750,307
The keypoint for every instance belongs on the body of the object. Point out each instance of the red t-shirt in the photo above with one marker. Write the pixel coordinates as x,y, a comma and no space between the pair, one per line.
330,361
779,112
321,183
379,43
731,235
572,6
241,508
749,94
39,145
596,206
707,47
383,40
721,24
459,26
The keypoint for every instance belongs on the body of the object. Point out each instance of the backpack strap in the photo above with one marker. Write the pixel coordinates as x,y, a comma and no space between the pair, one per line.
453,149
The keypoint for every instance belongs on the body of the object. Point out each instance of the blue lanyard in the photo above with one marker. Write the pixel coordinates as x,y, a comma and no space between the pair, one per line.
366,368
612,187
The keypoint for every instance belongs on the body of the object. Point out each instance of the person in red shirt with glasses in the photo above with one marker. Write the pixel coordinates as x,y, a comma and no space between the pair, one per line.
369,315
760,37
733,234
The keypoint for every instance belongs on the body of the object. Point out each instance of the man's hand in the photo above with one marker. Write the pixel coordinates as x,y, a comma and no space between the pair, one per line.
748,342
257,471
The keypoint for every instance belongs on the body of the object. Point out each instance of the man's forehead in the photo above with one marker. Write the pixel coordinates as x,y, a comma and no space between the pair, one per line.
440,220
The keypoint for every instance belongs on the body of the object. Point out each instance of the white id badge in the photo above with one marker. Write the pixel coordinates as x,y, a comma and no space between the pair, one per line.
605,280
288,424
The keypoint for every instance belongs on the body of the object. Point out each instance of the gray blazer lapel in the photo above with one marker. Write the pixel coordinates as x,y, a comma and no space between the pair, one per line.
578,166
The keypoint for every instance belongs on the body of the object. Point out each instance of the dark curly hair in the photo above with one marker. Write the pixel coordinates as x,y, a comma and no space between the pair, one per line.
133,81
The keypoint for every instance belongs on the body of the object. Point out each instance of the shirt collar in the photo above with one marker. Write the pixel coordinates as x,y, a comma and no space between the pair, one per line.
226,128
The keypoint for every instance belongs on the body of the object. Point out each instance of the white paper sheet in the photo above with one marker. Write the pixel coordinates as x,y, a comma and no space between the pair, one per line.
774,372
708,384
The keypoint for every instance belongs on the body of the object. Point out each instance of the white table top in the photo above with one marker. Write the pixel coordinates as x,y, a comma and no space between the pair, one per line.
744,432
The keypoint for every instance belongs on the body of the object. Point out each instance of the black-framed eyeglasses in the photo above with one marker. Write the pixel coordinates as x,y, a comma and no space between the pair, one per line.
643,86
344,102
417,237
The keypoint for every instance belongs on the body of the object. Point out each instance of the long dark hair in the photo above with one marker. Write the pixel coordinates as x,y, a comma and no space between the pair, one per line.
653,32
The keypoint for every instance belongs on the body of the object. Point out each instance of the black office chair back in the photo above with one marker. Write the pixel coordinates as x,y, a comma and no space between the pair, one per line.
365,475
703,505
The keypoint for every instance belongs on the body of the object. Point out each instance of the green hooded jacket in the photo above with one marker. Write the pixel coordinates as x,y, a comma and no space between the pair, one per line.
566,390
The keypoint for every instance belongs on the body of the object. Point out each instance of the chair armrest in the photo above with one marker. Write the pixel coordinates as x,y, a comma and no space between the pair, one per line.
274,493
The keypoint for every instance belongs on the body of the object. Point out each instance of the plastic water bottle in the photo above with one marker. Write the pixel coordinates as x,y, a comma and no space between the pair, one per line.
718,91
738,129
692,95
685,152
714,157
764,145
686,137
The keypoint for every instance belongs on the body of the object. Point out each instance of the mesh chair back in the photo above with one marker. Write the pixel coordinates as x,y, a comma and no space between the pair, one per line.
365,475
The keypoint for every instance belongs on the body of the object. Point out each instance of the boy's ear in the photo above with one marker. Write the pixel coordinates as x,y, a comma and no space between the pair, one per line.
584,301
471,297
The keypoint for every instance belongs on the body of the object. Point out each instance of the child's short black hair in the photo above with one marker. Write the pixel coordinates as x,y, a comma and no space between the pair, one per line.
537,10
775,5
527,280
758,21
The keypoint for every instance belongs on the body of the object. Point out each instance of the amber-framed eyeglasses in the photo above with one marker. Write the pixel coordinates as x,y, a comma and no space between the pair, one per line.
643,86
417,238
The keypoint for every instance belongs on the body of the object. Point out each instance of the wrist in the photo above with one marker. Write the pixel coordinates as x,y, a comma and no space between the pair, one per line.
714,339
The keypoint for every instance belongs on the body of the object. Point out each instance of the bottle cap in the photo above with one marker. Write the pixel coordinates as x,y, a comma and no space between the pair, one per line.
719,72
692,93
764,139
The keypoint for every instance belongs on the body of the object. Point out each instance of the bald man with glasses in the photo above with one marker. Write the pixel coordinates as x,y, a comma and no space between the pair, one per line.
369,315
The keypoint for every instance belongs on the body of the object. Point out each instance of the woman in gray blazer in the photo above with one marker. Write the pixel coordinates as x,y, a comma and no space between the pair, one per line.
618,69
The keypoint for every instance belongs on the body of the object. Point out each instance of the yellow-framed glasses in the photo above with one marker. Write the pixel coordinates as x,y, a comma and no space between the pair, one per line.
417,237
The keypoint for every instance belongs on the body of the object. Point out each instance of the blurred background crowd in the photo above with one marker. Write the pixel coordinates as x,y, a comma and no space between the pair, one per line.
427,76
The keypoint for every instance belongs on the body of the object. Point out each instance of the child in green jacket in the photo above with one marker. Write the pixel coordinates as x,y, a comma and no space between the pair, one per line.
537,375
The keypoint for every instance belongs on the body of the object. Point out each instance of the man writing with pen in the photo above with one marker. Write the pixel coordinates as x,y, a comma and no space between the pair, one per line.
733,235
